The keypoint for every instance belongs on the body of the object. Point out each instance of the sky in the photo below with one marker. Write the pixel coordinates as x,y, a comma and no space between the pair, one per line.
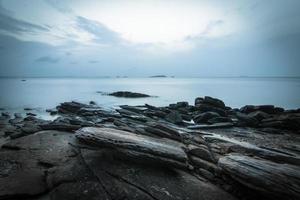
136,38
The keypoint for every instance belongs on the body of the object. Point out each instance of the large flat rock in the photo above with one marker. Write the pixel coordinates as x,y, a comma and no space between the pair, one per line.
127,180
140,146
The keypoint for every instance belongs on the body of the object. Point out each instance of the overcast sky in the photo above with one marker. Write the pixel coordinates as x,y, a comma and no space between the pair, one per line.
149,37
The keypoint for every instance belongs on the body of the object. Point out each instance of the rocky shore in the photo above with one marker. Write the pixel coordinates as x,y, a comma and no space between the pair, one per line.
205,151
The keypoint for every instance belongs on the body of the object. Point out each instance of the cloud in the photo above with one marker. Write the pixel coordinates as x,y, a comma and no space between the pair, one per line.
47,59
100,32
60,6
93,61
16,26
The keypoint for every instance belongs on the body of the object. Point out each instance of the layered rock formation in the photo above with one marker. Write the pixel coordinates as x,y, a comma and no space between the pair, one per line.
181,151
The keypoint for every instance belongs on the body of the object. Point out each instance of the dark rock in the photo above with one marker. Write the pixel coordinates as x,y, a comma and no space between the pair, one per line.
182,104
212,126
125,180
210,108
164,131
200,163
286,121
92,103
273,179
127,94
210,101
204,117
174,117
6,114
259,115
70,107
201,151
30,114
269,109
139,146
247,120
219,120
18,115
60,127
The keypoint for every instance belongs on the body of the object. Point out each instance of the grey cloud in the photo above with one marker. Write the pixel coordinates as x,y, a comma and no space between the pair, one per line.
59,5
17,26
101,32
47,59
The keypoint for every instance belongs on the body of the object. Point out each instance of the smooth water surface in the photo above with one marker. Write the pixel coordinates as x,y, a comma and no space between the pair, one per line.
43,93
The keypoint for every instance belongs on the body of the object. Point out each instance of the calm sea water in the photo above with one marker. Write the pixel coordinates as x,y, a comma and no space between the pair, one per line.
42,93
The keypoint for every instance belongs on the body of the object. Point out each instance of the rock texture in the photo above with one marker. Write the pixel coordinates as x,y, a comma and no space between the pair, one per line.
180,151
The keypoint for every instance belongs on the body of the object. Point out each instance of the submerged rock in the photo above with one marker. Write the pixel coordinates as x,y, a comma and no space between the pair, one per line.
127,94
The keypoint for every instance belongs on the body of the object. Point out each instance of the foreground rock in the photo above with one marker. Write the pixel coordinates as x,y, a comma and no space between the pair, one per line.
142,147
127,94
281,180
53,165
179,151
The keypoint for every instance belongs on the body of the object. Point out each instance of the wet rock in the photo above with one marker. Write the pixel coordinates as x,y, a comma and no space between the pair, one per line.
52,111
204,117
246,120
182,104
5,114
203,164
60,127
210,108
18,115
272,179
269,109
127,94
210,101
92,103
201,151
156,150
174,117
70,107
164,131
30,114
212,126
259,115
219,120
286,121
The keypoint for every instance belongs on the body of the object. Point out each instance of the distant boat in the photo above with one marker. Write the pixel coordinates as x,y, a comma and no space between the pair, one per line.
23,80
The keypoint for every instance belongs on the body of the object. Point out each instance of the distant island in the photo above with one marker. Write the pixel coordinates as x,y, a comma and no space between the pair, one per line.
158,76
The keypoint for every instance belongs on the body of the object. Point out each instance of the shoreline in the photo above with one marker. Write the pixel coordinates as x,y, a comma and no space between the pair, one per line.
221,153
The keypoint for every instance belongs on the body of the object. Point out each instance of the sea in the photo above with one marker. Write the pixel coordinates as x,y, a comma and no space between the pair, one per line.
46,93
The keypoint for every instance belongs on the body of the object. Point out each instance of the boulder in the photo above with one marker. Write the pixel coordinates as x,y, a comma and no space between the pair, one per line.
246,120
270,109
210,101
204,117
210,108
174,117
259,115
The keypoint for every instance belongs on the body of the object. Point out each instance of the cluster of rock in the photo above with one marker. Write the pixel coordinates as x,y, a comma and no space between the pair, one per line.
181,151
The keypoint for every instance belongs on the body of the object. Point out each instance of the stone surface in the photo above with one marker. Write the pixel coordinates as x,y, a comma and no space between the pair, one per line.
160,150
279,180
